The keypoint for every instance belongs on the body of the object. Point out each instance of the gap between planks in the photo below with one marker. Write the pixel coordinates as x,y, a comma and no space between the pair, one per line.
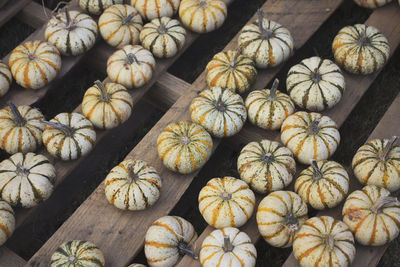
11,8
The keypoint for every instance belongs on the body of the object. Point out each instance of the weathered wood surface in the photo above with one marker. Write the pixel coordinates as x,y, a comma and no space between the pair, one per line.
10,259
11,8
34,15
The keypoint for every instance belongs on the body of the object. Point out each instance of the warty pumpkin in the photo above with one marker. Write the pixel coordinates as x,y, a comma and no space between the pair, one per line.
151,9
5,78
372,3
77,253
7,221
96,7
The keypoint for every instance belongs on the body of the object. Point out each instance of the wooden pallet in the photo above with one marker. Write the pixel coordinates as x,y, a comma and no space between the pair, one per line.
120,234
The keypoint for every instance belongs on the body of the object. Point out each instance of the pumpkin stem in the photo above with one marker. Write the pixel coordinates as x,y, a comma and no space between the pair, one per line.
317,172
384,154
105,97
185,249
292,223
329,241
364,40
18,119
68,131
185,140
228,247
226,196
265,33
316,76
20,170
235,57
72,259
272,92
314,129
127,19
131,58
131,172
383,202
268,157
162,29
67,17
219,104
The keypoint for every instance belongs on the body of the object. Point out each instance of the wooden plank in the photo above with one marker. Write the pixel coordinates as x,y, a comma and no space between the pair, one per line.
33,15
8,258
11,8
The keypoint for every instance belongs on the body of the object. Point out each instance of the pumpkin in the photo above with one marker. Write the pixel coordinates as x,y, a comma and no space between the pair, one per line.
228,247
120,25
34,64
267,43
26,179
269,108
131,66
96,7
151,9
315,84
280,216
133,185
77,253
107,106
167,239
378,163
226,202
7,221
136,265
69,136
202,16
5,78
372,3
360,49
324,241
310,136
229,69
184,147
220,111
163,37
266,166
372,215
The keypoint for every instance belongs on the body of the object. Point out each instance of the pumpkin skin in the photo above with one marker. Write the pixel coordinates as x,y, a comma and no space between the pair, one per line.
360,49
280,216
136,265
202,16
131,66
163,37
5,78
228,247
324,241
310,136
229,69
7,221
225,202
372,215
167,239
315,84
96,7
184,147
151,9
34,64
372,3
220,111
26,179
266,166
77,253
378,163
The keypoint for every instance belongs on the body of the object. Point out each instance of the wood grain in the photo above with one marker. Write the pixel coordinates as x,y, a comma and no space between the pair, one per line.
10,8
9,258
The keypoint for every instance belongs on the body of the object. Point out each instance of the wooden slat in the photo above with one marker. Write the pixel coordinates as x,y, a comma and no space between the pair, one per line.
33,15
9,259
11,8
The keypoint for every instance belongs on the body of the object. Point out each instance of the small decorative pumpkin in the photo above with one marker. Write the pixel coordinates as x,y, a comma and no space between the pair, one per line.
268,43
34,64
77,253
133,185
229,69
280,216
107,106
228,247
163,37
220,111
360,49
266,166
378,163
7,221
5,78
225,202
167,239
151,9
20,129
324,241
131,66
26,179
372,215
269,108
120,25
310,136
202,16
69,136
372,3
96,7
184,147
136,265
315,84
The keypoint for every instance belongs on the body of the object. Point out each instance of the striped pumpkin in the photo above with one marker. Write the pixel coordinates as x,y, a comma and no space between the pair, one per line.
372,3
269,108
266,166
133,185
324,241
230,69
225,202
7,221
167,239
96,7
77,253
69,136
184,147
136,265
163,37
228,247
202,16
372,215
34,64
151,9
378,163
360,49
220,111
280,216
107,106
120,25
315,84
310,136
131,66
5,78
26,179
268,43
323,185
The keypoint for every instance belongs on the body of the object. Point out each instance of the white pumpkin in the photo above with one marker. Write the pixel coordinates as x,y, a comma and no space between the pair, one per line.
5,78
151,9
136,265
7,221
372,3
96,7
77,253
